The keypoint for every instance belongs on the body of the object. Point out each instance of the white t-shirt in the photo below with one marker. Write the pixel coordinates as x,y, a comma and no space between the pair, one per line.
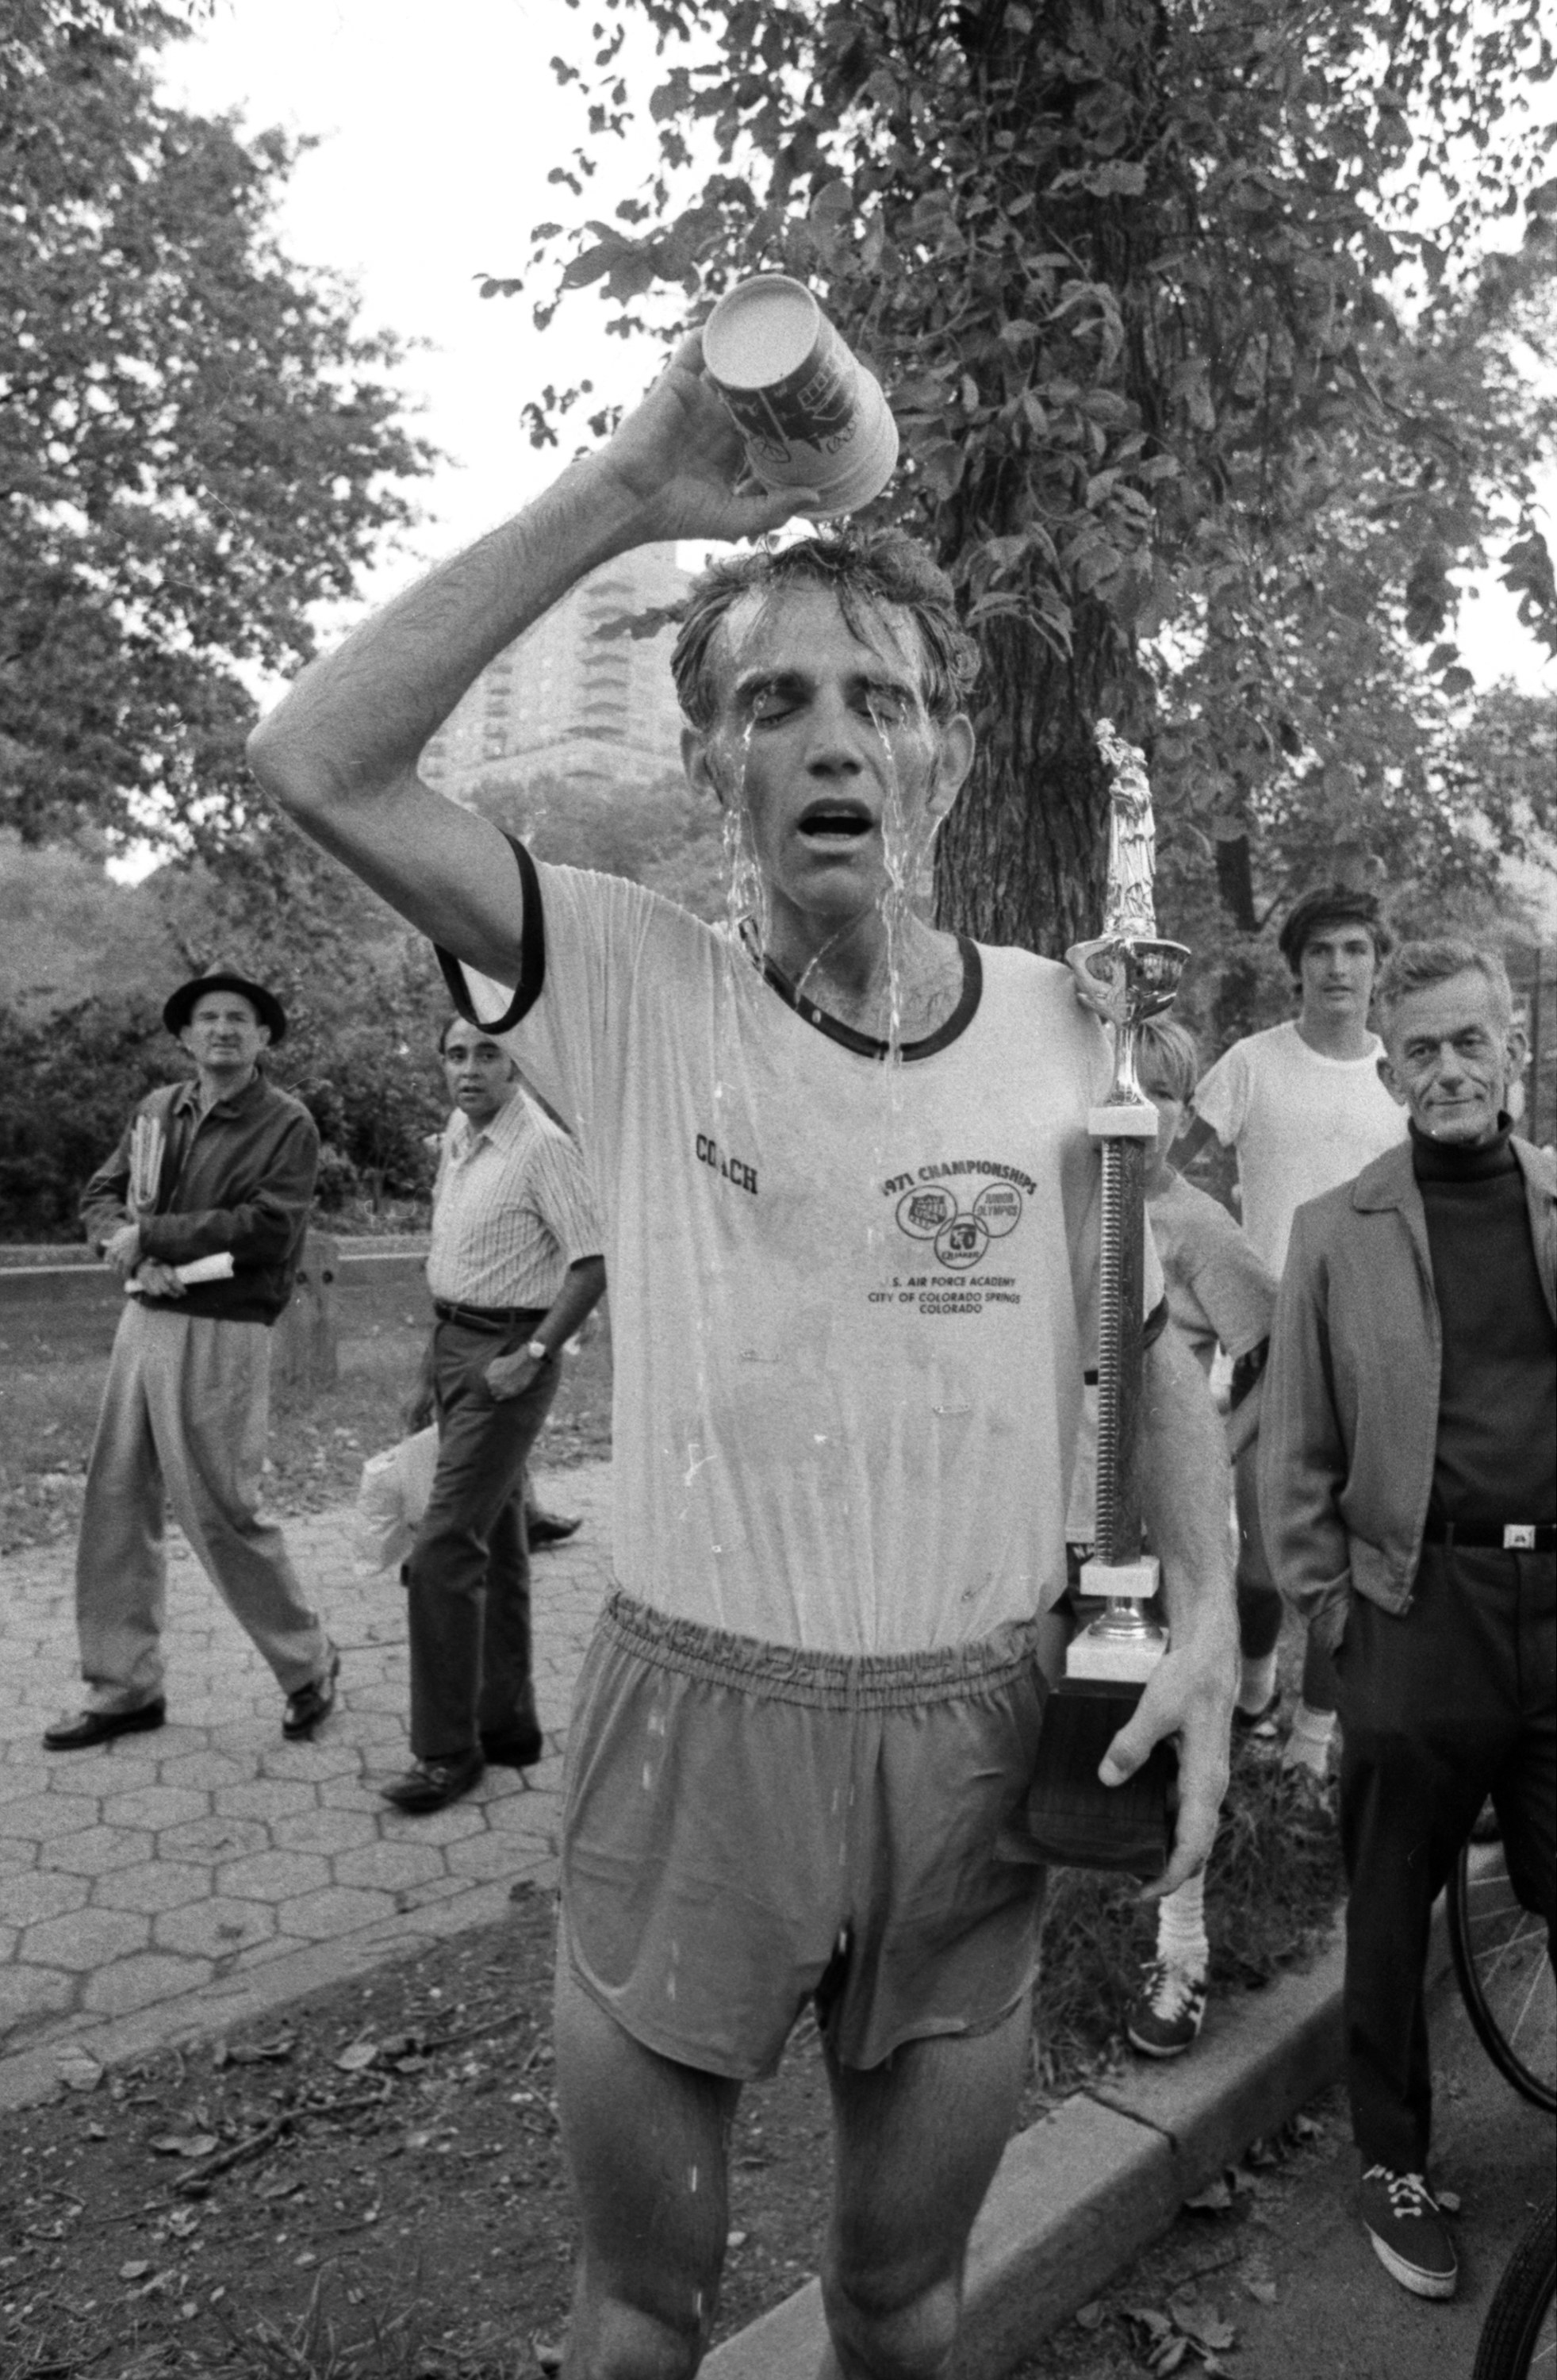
852,1303
1301,1123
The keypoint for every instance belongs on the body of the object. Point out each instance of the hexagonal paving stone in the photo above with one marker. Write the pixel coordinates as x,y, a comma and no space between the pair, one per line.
206,1839
96,1850
138,1982
265,1797
88,1937
202,1771
389,1865
159,1805
311,1763
377,1728
387,1697
28,1899
152,1886
351,1793
486,1857
41,1815
239,1736
448,1825
325,1830
89,1779
337,1910
34,1992
215,1929
273,1876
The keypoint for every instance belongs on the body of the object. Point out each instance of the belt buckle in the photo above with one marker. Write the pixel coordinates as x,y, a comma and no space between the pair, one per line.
1519,1536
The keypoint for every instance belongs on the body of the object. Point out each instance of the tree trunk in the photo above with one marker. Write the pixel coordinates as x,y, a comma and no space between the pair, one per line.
1024,857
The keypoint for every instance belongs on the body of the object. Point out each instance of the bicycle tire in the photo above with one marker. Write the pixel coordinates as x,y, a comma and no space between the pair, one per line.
1519,2318
1505,1973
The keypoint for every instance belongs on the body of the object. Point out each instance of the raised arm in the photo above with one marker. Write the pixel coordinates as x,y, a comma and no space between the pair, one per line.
340,752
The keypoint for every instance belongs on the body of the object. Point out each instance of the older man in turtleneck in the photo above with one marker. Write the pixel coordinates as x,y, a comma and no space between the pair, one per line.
1408,1485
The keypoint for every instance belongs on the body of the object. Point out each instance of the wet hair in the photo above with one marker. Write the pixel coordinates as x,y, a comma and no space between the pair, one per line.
867,570
1415,967
1167,1057
1331,905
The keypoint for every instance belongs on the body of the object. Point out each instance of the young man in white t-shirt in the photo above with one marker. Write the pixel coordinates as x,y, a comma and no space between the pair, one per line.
849,1211
1304,1109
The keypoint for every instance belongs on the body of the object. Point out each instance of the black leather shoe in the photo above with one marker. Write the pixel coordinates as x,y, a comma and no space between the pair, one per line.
432,1784
550,1528
100,1727
312,1704
517,1747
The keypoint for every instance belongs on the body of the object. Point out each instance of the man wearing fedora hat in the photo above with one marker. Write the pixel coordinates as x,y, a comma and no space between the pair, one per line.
201,1212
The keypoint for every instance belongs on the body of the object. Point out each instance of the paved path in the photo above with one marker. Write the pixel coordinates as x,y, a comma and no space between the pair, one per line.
180,1881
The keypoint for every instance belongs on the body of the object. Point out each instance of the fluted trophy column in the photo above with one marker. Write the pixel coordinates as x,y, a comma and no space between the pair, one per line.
1126,974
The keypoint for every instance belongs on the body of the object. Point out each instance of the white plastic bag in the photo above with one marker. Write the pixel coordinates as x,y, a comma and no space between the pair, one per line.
390,1499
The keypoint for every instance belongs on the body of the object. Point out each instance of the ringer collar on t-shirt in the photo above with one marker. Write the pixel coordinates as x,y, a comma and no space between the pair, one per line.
866,1045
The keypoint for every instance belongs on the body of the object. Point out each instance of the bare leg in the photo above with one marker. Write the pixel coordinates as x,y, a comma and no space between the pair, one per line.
647,2143
918,2141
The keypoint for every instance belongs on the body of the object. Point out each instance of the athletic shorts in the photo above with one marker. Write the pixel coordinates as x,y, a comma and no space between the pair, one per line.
748,1827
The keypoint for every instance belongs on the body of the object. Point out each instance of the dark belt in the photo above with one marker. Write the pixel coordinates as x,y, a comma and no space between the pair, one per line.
487,1317
1503,1536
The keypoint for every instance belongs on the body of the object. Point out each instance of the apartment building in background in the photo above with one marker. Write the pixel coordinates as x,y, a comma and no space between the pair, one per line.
565,704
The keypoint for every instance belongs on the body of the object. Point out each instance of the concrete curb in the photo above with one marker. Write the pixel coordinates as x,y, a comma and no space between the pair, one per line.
1080,2194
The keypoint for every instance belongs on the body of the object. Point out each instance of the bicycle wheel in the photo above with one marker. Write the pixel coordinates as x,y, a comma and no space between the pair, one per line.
1504,1972
1519,2339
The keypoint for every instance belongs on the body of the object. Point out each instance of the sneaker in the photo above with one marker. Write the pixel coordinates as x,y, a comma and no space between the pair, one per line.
430,1785
1402,2217
1259,1727
1169,2011
312,1704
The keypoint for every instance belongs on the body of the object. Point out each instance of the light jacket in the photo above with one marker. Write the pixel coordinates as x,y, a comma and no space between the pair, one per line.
238,1179
1349,1429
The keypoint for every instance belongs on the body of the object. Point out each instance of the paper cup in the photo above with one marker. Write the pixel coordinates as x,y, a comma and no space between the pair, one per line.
812,416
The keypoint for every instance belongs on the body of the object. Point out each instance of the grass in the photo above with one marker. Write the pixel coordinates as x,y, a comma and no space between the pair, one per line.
1273,1887
54,1356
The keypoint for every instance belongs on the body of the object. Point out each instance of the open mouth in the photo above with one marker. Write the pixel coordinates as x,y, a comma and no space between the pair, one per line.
842,820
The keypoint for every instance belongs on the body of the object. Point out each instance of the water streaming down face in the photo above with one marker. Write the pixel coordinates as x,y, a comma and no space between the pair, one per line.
746,911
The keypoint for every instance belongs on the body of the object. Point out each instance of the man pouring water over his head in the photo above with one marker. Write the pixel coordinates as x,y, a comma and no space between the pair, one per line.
850,1218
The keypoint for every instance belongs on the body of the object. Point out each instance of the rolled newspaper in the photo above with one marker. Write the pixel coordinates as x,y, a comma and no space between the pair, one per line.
217,1267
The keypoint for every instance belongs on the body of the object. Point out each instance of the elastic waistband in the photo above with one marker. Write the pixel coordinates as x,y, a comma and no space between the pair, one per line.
487,1317
792,1674
1500,1536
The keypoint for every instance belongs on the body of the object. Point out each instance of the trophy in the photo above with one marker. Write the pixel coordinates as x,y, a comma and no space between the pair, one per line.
1126,975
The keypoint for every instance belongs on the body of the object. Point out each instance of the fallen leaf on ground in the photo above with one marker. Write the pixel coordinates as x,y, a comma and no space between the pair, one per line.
186,2144
357,2056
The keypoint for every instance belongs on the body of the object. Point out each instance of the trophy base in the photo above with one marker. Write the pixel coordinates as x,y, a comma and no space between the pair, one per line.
1122,1120
1121,1647
1072,1819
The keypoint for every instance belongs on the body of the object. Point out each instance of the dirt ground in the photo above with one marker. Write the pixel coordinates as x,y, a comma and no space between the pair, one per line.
370,2187
389,2145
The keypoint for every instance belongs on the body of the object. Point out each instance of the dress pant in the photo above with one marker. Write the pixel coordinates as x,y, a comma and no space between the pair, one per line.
186,1412
468,1579
1452,1701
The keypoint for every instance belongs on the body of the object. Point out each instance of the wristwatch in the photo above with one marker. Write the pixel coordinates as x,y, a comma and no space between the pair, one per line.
537,1351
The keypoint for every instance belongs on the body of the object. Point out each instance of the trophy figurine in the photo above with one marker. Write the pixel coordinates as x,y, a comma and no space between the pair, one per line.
1126,975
